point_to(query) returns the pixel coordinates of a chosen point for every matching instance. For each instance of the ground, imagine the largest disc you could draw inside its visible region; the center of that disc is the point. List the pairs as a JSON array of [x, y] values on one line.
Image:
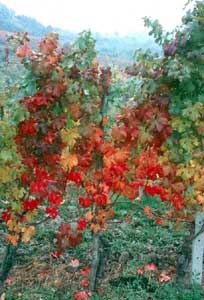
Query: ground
[[131, 245]]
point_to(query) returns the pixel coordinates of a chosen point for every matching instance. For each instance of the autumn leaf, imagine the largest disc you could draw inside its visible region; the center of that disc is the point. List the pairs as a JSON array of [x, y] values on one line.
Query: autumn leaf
[[68, 161], [81, 224], [9, 281], [150, 267], [118, 156], [89, 216], [28, 233], [18, 192], [84, 283], [104, 215], [160, 221], [119, 133], [12, 224], [85, 271], [140, 271], [121, 155], [144, 135], [6, 174], [69, 136], [13, 239], [105, 120], [164, 277], [75, 239], [83, 295], [95, 227], [147, 211], [128, 219], [193, 112], [74, 110], [74, 263], [85, 202], [159, 123], [55, 255], [21, 52]]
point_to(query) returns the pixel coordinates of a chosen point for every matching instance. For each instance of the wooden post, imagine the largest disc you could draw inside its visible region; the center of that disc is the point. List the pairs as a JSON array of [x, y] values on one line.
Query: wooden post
[[198, 250]]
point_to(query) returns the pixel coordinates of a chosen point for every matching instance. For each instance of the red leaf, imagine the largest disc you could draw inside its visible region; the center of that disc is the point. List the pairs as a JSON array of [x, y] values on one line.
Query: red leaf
[[81, 224], [85, 283], [9, 280], [5, 216], [43, 273], [101, 200], [85, 271], [164, 277], [177, 201], [55, 255], [55, 198], [75, 239], [150, 267], [147, 211], [75, 177], [23, 51], [128, 219], [52, 211], [85, 202], [140, 271], [160, 221], [83, 295], [74, 263], [30, 205]]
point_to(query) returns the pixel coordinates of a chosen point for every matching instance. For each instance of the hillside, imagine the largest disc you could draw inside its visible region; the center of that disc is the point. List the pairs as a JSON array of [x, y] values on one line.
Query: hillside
[[114, 46]]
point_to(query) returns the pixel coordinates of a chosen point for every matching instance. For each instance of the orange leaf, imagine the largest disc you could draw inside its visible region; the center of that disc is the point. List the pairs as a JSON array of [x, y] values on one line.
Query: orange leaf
[[89, 216], [103, 215], [13, 239], [160, 221], [74, 110], [121, 155], [105, 120], [95, 227], [105, 227], [23, 51], [119, 133], [147, 211], [68, 161]]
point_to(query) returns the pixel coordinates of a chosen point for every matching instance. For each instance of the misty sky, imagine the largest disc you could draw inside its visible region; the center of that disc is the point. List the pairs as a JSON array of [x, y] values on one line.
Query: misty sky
[[105, 16]]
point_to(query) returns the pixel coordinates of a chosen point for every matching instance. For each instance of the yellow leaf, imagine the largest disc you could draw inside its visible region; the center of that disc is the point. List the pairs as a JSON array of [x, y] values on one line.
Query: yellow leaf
[[11, 224], [178, 227], [77, 123], [69, 136], [17, 192], [200, 199], [5, 174], [29, 216], [198, 182], [28, 233]]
